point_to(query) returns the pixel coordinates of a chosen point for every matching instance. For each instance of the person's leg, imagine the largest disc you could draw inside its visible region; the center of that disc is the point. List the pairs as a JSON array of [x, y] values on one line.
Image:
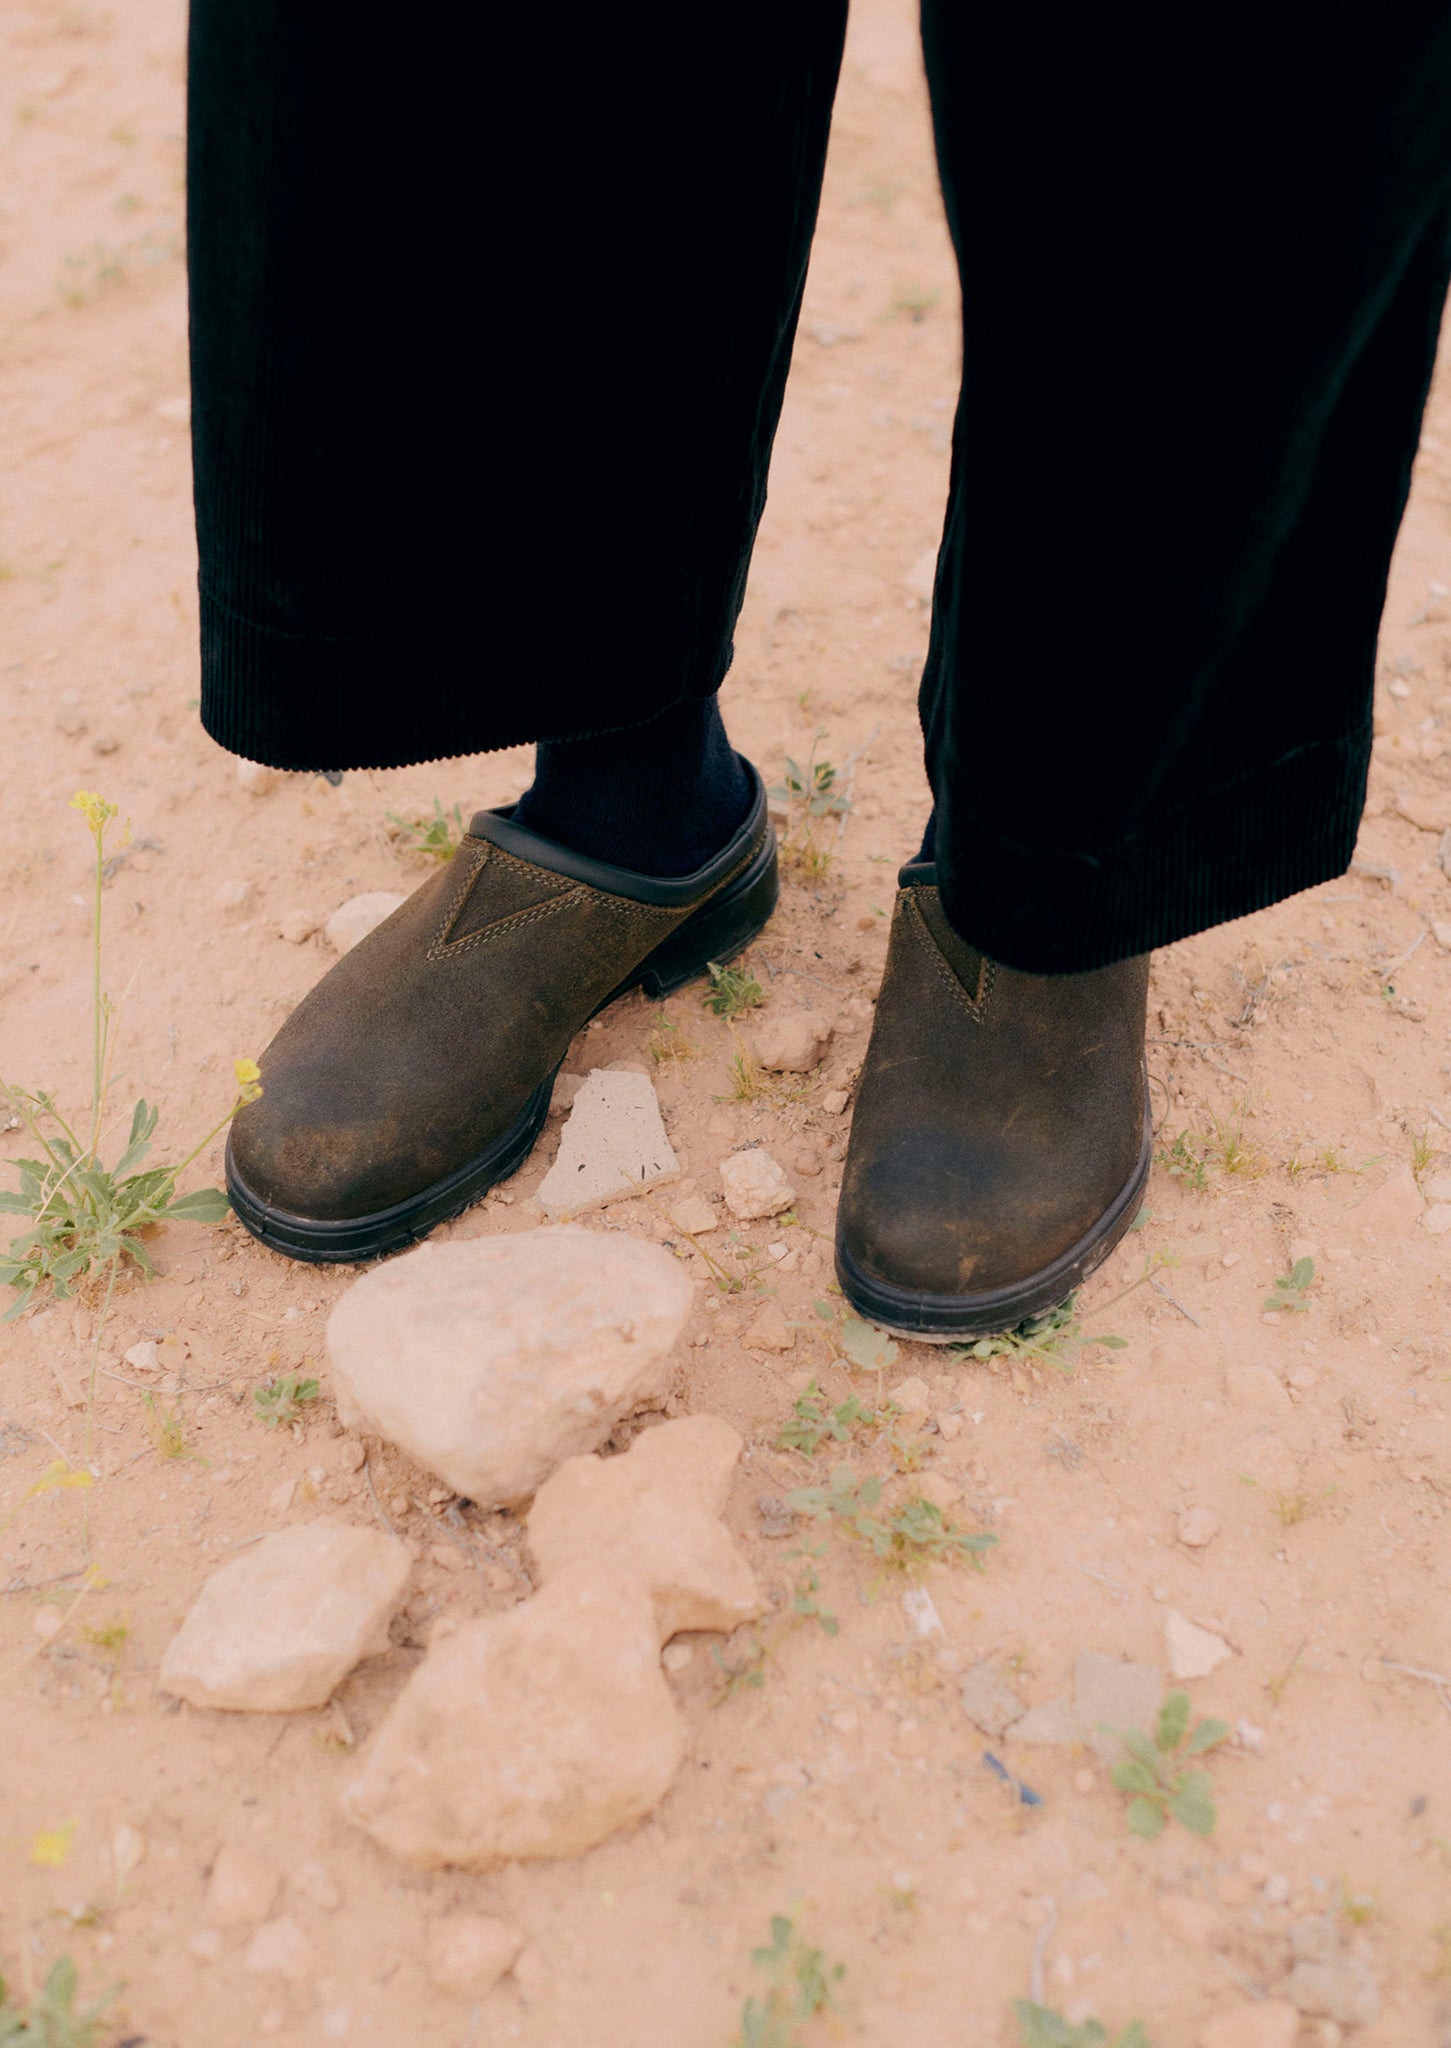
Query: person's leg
[[1201, 301], [490, 330]]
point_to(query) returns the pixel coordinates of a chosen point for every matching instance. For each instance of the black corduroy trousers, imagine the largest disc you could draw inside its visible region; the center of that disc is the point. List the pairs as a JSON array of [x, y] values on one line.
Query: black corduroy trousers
[[490, 329]]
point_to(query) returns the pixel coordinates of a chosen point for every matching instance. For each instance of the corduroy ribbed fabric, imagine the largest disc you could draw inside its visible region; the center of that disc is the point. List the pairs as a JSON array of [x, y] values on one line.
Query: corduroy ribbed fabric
[[488, 355]]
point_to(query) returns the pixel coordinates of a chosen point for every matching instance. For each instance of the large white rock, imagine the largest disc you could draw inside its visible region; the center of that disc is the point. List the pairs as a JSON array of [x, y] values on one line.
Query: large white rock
[[360, 915], [755, 1184], [281, 1626], [613, 1144], [534, 1733], [493, 1360], [655, 1512]]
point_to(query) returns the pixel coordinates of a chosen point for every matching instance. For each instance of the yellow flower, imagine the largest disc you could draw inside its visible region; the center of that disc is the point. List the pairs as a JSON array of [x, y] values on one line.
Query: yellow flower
[[249, 1079], [52, 1845], [94, 809]]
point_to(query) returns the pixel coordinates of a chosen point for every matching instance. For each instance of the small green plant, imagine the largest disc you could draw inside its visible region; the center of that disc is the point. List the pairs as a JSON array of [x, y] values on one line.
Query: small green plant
[[1154, 1777], [668, 1041], [81, 1215], [51, 2019], [1223, 1146], [913, 1535], [1423, 1153], [1184, 1160], [1039, 2026], [748, 1083], [732, 991], [746, 1674], [806, 1606], [811, 794], [811, 1424], [168, 1429], [436, 837], [801, 1986], [1052, 1338], [1293, 1292], [282, 1399], [861, 1343]]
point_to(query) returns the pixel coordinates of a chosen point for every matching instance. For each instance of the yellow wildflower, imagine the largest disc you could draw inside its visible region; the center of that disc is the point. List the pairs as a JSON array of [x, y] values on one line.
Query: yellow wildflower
[[249, 1079], [94, 809], [52, 1846]]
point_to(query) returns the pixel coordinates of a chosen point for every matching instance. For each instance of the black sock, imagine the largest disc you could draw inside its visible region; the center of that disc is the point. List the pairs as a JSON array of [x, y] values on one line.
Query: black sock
[[661, 799], [929, 837]]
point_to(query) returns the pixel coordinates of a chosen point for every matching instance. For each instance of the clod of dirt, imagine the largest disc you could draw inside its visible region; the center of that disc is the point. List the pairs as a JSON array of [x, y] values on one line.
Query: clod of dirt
[[655, 1513], [297, 927], [468, 1953], [768, 1330], [1272, 2023], [792, 1043], [279, 1948], [755, 1184], [1193, 1652], [694, 1214], [535, 1733], [1197, 1527], [242, 1889], [912, 1395], [279, 1628], [613, 1142], [360, 915], [1109, 1692], [988, 1702], [494, 1359], [1248, 1384], [1391, 1210]]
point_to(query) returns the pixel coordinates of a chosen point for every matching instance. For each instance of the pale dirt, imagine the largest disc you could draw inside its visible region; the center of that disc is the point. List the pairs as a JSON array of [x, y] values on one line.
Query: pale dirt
[[850, 1786]]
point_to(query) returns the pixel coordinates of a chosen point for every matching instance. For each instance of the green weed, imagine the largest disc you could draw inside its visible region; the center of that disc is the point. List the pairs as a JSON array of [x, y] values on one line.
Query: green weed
[[50, 2019], [668, 1041], [1223, 1146], [912, 1536], [1423, 1154], [801, 1986], [167, 1427], [282, 1399], [1052, 1338], [1293, 1292], [811, 1424], [82, 1215], [436, 837], [1040, 2027], [732, 991], [810, 792], [1153, 1775]]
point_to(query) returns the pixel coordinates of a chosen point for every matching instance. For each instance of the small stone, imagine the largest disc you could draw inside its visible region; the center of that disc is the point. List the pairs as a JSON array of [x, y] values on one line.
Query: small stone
[[1391, 1210], [793, 1042], [469, 1952], [280, 1498], [534, 1733], [314, 1882], [360, 915], [106, 743], [1110, 1694], [242, 1887], [351, 1456], [1249, 1737], [142, 1358], [768, 1330], [912, 1396], [234, 894], [45, 1623], [1248, 1384], [297, 927], [279, 1948], [1303, 1378], [279, 1628], [834, 1101], [755, 1184], [806, 1161], [1193, 1652], [677, 1657], [1198, 1526], [921, 1611], [949, 1424], [70, 717], [1441, 932], [1341, 1989], [695, 1214], [655, 1514], [447, 1558], [254, 777], [1269, 2023], [988, 1701], [494, 1359], [1053, 1723], [614, 1143]]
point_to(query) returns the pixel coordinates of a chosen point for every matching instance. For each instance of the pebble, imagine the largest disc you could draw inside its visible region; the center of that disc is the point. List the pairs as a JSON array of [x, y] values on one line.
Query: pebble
[[70, 717], [534, 1733], [695, 1214], [613, 1143], [834, 1101], [1441, 932], [1193, 1652], [793, 1042], [755, 1184], [912, 1396], [353, 920], [655, 1514], [254, 777], [279, 1628], [297, 927], [677, 1657], [279, 1948], [768, 1330], [468, 1953], [494, 1359], [1198, 1526], [234, 894], [242, 1887]]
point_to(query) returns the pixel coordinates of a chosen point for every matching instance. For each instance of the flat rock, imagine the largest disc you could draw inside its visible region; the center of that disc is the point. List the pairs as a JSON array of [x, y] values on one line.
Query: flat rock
[[1249, 1384], [535, 1733], [494, 1359], [654, 1513], [242, 1887], [793, 1042], [1193, 1652], [988, 1701], [1391, 1210], [1196, 1527], [612, 1144], [469, 1952], [768, 1330], [755, 1184], [1054, 1722], [695, 1214], [1110, 1694], [281, 1626], [1268, 2023], [360, 915]]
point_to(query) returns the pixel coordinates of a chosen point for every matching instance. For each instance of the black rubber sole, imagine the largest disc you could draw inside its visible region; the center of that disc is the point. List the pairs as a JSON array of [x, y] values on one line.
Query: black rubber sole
[[715, 933], [947, 1318]]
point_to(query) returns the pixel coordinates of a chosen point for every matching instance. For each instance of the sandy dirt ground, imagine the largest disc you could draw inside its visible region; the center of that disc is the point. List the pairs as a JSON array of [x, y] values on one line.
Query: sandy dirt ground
[[1304, 1052]]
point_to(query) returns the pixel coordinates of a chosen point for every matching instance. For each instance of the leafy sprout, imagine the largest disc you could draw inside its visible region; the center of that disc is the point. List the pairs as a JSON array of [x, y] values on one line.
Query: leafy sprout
[[1152, 1773], [51, 2018]]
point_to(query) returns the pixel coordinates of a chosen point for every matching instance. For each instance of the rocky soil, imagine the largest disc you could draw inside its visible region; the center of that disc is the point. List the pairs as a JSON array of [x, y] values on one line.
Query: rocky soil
[[1247, 1499]]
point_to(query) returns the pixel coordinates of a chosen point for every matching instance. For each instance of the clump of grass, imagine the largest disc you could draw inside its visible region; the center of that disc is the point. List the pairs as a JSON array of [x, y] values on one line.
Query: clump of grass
[[748, 1082], [1292, 1294], [51, 2019], [436, 836], [668, 1041], [800, 1987], [1223, 1147], [912, 1536], [82, 1216], [281, 1400], [1039, 2026], [1424, 1154], [1153, 1773], [732, 991], [167, 1426], [811, 793], [1294, 1508]]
